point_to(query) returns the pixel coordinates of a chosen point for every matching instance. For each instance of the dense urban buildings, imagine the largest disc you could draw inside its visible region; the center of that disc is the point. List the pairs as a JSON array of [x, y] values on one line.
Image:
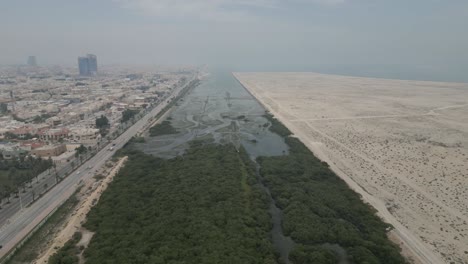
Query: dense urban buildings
[[51, 113]]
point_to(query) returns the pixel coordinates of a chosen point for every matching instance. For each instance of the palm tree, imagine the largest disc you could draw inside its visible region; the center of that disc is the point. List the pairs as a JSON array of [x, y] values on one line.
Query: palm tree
[[7, 192], [30, 176], [50, 164], [34, 163], [56, 177], [30, 160], [2, 195], [55, 167]]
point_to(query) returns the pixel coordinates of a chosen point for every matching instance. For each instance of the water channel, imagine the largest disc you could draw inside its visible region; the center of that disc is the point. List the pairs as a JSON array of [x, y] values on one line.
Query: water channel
[[221, 109]]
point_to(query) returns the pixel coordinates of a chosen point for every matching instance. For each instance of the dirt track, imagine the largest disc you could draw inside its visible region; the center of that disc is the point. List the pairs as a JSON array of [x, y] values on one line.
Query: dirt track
[[401, 144], [91, 192]]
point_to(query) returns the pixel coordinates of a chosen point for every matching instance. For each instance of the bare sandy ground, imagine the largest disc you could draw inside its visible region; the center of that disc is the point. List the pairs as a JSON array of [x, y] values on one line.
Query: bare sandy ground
[[91, 192], [403, 145]]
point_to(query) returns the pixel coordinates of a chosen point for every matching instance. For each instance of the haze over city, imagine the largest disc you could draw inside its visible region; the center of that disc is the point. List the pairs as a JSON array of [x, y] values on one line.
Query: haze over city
[[234, 131], [418, 39]]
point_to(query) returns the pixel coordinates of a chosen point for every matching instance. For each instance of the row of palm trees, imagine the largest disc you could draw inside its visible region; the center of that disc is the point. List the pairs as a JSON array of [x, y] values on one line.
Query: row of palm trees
[[21, 174]]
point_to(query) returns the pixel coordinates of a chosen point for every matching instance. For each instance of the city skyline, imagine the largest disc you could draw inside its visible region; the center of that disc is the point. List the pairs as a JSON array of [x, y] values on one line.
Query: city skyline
[[399, 39]]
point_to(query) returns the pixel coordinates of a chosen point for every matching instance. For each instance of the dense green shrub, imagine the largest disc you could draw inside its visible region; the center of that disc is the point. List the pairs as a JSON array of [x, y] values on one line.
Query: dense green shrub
[[202, 207], [68, 254], [319, 208], [163, 128]]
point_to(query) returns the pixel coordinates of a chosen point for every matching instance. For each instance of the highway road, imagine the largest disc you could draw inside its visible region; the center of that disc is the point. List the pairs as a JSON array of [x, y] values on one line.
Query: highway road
[[45, 181], [22, 223], [34, 190]]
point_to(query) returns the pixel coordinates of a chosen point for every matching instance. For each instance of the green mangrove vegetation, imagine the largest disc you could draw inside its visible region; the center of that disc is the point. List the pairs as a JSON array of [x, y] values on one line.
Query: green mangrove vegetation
[[163, 128], [276, 126], [320, 212], [202, 207], [136, 139], [68, 253], [208, 206]]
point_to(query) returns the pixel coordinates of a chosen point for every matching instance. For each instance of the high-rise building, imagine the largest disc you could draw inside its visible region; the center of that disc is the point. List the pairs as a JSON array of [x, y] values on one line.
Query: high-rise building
[[88, 65], [32, 61], [92, 64], [83, 66]]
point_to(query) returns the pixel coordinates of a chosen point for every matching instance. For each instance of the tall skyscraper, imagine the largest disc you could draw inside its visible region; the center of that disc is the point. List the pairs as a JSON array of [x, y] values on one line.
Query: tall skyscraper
[[32, 61], [92, 64], [88, 65], [83, 66]]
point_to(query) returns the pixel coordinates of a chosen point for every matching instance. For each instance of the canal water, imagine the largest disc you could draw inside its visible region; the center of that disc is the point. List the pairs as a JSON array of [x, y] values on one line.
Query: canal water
[[220, 109]]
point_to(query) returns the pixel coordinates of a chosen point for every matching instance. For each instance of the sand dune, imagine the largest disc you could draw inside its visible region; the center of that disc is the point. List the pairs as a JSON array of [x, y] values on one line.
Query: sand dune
[[402, 144]]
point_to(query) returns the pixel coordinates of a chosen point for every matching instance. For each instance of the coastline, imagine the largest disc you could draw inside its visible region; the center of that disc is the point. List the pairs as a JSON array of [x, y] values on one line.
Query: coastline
[[411, 244]]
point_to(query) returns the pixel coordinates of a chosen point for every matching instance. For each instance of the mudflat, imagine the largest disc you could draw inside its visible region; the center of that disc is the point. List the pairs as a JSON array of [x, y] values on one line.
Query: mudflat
[[403, 145]]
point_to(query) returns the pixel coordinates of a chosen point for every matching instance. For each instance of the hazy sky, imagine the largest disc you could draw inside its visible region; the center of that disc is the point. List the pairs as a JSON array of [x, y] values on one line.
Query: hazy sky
[[425, 37]]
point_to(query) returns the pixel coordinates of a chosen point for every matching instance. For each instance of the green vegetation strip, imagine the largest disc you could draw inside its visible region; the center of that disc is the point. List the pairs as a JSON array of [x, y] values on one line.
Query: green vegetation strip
[[68, 253], [128, 114], [163, 128], [136, 139], [277, 127], [321, 213], [31, 249], [202, 207]]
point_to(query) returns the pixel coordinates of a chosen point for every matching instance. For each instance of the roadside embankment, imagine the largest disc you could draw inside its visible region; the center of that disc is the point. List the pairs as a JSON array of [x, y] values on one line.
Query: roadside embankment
[[92, 190]]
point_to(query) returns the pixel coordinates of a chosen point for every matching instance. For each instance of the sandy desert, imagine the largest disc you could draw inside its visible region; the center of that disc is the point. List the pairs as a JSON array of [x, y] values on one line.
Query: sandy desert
[[403, 145]]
